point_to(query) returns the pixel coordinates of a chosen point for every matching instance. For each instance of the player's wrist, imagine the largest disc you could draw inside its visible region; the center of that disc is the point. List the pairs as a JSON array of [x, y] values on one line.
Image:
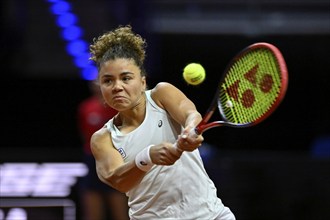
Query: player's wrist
[[143, 159]]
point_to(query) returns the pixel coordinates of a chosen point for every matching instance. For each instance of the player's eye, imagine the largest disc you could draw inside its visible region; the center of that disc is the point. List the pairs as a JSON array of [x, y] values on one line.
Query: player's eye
[[126, 78], [107, 81]]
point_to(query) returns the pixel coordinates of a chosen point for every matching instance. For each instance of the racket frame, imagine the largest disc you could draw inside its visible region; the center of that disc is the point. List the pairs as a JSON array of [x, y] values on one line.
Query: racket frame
[[204, 125]]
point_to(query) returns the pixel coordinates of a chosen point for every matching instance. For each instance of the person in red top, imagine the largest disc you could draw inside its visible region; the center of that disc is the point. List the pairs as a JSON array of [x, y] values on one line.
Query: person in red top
[[99, 201]]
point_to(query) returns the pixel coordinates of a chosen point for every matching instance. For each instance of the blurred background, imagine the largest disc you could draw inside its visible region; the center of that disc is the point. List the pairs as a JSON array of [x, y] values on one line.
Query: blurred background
[[279, 169]]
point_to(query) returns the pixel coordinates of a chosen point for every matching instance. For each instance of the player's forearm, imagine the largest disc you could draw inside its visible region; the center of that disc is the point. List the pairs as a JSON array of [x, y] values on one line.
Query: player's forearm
[[124, 178]]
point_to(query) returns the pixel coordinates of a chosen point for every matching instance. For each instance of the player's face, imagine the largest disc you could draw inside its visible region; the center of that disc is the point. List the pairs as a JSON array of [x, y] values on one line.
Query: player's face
[[121, 83]]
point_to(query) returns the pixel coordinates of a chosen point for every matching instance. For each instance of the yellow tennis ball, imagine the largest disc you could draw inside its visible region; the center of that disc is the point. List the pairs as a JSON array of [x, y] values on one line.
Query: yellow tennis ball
[[194, 73]]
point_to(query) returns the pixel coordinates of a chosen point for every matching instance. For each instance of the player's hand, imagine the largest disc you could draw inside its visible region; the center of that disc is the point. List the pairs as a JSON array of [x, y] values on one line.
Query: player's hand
[[189, 141], [164, 154]]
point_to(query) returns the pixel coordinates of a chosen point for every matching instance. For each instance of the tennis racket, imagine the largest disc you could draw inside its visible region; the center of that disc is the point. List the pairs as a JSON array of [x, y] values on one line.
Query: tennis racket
[[252, 86]]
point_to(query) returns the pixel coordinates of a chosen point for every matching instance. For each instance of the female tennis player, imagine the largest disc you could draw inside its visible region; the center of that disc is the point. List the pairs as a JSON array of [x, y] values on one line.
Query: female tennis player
[[135, 150]]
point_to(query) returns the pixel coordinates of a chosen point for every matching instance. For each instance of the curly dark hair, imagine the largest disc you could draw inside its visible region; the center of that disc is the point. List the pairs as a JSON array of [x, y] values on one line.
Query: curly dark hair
[[119, 43]]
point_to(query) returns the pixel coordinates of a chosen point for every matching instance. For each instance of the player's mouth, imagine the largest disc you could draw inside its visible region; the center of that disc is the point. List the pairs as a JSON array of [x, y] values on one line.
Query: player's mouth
[[118, 98]]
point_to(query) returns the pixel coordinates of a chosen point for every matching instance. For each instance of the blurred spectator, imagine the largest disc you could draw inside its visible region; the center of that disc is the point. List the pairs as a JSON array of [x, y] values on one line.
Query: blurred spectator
[[99, 201]]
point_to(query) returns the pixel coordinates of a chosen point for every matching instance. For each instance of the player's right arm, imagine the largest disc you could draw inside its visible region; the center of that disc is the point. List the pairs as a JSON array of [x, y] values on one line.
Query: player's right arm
[[110, 166]]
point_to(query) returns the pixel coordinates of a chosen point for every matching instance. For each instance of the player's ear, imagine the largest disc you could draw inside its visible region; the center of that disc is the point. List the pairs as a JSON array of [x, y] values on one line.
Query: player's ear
[[144, 83]]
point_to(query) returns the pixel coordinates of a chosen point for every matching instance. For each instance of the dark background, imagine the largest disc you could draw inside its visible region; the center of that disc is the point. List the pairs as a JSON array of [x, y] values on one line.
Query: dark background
[[270, 171]]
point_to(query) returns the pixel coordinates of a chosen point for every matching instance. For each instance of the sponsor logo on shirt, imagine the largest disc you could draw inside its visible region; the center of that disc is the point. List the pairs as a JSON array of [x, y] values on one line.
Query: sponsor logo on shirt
[[143, 163], [122, 152]]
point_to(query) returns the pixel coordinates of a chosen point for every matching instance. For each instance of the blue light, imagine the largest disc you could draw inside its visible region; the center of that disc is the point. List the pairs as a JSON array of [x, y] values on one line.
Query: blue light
[[66, 20], [71, 33], [82, 60], [89, 73], [60, 7], [77, 47]]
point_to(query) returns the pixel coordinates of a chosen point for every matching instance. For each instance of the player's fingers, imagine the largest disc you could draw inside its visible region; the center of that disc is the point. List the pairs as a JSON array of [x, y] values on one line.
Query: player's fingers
[[165, 154]]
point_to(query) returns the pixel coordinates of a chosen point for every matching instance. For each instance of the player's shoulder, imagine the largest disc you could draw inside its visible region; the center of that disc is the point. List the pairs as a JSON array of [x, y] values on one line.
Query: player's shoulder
[[100, 141], [163, 85], [162, 89], [100, 135]]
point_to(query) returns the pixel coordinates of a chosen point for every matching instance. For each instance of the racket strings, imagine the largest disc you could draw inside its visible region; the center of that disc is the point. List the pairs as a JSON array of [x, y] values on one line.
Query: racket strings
[[251, 85]]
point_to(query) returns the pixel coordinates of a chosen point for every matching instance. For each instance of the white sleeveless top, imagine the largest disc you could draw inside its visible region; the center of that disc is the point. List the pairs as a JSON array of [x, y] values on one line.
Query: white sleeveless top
[[182, 191]]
